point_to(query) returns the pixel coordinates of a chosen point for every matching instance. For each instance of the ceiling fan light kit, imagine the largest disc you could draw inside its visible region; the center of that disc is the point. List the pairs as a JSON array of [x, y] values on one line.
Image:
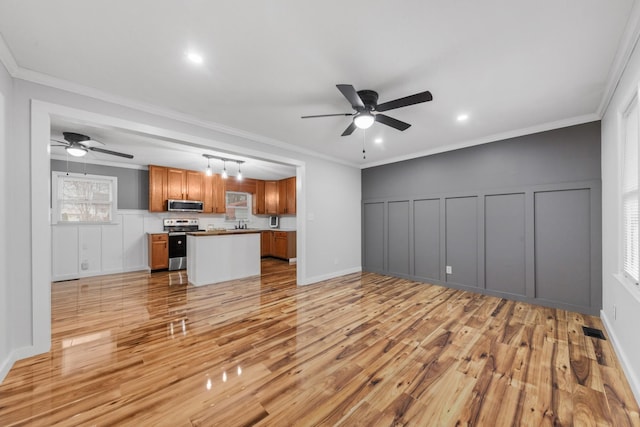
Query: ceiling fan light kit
[[76, 150], [365, 104], [364, 120]]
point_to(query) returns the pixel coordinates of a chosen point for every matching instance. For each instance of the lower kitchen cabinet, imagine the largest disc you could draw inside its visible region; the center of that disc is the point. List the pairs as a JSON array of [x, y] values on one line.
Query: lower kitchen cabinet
[[279, 244], [265, 243], [158, 251]]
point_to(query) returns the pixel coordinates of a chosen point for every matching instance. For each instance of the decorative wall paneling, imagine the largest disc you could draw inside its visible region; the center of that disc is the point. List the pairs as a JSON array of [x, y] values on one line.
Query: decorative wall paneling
[[91, 250], [539, 244]]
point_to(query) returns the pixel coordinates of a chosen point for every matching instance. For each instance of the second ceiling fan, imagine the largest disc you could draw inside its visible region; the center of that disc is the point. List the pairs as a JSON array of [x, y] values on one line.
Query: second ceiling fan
[[367, 110]]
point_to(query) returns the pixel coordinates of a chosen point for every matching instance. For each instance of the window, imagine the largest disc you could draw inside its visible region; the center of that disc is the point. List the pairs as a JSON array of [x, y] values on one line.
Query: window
[[83, 198], [630, 229], [237, 206]]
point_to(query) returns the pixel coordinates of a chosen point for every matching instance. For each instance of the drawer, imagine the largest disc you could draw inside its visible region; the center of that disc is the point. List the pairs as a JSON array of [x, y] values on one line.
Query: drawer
[[159, 237]]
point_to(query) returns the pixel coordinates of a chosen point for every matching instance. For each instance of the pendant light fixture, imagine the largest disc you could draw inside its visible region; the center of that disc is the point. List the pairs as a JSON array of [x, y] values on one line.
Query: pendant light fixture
[[208, 171], [224, 169], [239, 176]]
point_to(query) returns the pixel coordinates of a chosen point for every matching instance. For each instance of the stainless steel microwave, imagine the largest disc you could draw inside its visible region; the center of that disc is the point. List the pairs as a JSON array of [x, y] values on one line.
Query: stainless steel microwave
[[185, 206]]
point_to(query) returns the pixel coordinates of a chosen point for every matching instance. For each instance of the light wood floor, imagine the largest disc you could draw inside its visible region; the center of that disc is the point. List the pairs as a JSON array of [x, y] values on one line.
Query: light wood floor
[[147, 349]]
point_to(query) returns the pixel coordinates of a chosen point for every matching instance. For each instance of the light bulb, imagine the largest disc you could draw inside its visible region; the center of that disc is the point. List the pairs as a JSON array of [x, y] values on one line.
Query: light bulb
[[76, 151], [209, 171], [224, 171], [239, 176], [364, 120]]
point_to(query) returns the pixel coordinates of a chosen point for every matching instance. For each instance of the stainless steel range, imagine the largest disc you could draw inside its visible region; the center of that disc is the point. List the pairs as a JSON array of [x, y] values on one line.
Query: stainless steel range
[[178, 228]]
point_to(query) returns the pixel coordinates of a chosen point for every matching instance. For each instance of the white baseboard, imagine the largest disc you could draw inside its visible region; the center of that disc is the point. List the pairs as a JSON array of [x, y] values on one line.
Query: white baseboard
[[632, 377], [14, 356], [320, 278]]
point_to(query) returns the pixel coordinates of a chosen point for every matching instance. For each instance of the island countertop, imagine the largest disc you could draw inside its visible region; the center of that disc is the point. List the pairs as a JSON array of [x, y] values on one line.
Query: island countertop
[[222, 232]]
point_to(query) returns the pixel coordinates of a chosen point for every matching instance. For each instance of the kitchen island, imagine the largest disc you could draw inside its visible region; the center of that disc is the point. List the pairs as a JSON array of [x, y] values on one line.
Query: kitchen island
[[219, 256]]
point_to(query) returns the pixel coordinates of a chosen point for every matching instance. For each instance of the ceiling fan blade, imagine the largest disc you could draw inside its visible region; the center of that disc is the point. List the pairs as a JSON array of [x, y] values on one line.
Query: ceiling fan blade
[[352, 96], [66, 144], [403, 102], [349, 130], [390, 121], [326, 115], [113, 153]]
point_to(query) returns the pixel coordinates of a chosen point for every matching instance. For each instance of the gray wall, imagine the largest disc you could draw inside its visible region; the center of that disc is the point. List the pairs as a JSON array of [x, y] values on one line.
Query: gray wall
[[518, 218], [133, 184]]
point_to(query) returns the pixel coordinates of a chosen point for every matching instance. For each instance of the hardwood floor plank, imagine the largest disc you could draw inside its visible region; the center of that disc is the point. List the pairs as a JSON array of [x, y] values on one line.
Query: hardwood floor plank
[[363, 349]]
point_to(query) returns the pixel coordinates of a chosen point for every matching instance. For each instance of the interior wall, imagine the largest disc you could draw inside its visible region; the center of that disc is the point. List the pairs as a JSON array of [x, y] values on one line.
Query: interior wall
[[6, 95], [621, 303], [337, 225], [133, 184], [518, 218]]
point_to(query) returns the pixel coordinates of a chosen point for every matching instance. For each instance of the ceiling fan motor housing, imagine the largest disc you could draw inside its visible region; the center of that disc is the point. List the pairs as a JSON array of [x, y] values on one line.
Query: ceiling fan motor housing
[[75, 137], [369, 99]]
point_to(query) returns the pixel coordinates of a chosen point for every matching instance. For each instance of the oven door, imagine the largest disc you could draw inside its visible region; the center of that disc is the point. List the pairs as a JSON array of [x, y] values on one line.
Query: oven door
[[177, 251]]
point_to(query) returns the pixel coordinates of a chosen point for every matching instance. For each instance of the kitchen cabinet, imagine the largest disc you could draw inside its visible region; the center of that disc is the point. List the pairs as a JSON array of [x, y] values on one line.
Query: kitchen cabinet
[[284, 244], [287, 196], [265, 243], [278, 244], [213, 194], [184, 184], [157, 188], [258, 199], [270, 197], [158, 251]]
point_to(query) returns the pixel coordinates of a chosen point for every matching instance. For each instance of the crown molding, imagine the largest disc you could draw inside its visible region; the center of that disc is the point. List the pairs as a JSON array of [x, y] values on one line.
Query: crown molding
[[57, 83], [491, 138], [6, 57], [626, 46]]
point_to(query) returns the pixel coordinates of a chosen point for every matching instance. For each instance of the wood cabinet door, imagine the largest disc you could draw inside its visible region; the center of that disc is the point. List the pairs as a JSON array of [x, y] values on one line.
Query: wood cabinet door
[[290, 208], [265, 243], [282, 196], [194, 185], [280, 244], [270, 197], [175, 184], [207, 196], [258, 199], [158, 251], [157, 188], [219, 201]]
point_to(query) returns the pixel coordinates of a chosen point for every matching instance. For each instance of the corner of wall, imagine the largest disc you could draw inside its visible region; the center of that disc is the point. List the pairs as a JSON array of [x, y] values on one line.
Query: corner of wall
[[627, 366]]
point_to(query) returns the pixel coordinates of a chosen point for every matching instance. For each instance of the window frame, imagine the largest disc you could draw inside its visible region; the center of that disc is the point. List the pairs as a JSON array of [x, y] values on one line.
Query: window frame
[[632, 107], [57, 176], [247, 208]]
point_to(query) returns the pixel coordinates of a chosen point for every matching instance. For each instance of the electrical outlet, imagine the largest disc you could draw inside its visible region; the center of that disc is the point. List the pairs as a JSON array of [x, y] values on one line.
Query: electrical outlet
[[449, 269], [84, 265]]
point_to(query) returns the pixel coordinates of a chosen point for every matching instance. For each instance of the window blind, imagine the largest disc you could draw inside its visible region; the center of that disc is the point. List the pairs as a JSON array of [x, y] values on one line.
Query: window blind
[[630, 225]]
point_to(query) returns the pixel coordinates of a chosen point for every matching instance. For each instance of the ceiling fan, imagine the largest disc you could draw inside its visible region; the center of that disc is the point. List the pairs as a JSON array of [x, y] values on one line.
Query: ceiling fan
[[79, 145], [365, 104]]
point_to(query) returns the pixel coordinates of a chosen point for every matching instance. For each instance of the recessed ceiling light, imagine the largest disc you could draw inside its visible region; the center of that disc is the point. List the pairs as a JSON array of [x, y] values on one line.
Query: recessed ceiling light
[[462, 117], [378, 140], [195, 57]]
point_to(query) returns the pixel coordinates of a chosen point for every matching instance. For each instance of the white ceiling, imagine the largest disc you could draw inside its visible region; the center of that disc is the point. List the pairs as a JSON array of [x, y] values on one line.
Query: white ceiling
[[510, 65]]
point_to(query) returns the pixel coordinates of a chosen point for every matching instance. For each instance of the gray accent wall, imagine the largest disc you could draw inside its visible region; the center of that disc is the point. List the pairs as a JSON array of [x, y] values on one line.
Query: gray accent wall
[[133, 184], [518, 218]]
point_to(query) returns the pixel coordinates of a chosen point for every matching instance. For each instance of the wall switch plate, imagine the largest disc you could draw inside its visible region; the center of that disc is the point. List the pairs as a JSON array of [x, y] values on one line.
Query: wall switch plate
[[449, 269]]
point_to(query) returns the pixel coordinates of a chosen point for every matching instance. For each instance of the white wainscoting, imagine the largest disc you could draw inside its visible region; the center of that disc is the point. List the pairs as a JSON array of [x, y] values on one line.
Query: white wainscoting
[[93, 250]]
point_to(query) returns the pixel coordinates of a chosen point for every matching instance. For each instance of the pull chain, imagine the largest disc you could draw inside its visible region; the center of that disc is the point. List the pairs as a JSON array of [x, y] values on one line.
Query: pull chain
[[364, 136]]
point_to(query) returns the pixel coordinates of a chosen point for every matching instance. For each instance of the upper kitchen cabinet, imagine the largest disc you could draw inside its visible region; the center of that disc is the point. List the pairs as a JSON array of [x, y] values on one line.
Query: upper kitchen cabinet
[[214, 192], [184, 184], [157, 188], [287, 196], [247, 185], [271, 197], [258, 199]]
